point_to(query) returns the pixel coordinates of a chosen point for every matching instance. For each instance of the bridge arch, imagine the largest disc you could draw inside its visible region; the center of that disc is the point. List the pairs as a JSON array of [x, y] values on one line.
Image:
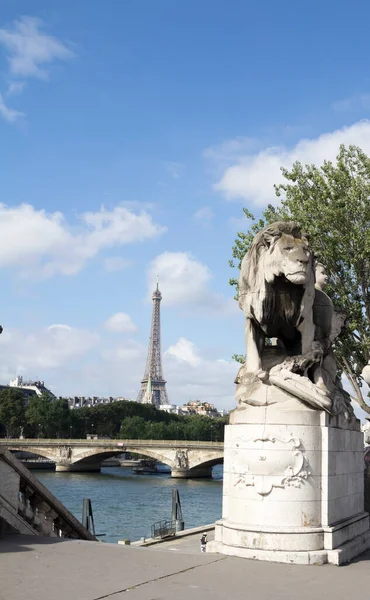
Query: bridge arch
[[37, 451], [98, 455], [217, 460]]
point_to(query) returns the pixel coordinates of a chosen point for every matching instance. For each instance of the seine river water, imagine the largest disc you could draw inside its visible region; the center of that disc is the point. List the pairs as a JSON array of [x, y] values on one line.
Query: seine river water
[[125, 505]]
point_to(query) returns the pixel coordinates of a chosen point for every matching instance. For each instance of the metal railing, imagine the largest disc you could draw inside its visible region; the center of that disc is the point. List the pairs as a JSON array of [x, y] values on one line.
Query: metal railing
[[163, 529]]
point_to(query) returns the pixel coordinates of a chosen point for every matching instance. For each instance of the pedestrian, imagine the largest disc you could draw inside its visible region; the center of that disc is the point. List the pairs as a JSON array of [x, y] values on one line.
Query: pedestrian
[[203, 542]]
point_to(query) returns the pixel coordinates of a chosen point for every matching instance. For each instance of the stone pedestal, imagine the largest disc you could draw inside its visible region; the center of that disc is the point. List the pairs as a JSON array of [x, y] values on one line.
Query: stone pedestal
[[293, 486]]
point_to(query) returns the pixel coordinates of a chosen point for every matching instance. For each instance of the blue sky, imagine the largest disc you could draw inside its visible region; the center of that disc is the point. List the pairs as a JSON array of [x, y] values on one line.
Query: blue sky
[[132, 134]]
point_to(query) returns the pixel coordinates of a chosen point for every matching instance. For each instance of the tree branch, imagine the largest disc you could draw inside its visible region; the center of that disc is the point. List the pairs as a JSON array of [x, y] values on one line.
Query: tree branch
[[356, 388]]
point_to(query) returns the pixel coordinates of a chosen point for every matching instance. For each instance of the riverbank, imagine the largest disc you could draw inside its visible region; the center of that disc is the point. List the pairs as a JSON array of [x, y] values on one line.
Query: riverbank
[[191, 534]]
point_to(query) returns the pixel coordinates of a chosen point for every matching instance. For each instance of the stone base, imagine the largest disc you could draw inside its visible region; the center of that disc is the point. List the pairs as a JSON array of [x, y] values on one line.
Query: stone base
[[334, 545], [338, 556], [78, 468], [314, 557], [293, 487], [197, 473]]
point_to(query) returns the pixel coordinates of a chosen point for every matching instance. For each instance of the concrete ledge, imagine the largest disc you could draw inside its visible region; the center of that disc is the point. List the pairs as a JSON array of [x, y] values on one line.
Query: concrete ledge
[[345, 531], [315, 557], [179, 534], [339, 556], [353, 548]]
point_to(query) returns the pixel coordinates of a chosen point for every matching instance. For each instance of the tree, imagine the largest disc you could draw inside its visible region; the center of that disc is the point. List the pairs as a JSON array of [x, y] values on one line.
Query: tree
[[59, 418], [12, 411], [332, 204], [133, 428], [38, 416]]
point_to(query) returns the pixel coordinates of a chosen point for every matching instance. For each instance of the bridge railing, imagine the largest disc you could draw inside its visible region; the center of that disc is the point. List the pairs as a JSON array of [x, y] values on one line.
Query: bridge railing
[[28, 507], [109, 442]]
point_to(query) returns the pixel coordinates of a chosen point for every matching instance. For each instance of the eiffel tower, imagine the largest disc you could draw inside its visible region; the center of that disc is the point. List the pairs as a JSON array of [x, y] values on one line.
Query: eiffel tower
[[153, 385]]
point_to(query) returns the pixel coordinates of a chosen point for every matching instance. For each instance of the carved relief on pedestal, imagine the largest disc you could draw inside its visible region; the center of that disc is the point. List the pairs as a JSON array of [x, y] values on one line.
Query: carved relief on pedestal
[[270, 465], [65, 452], [181, 459]]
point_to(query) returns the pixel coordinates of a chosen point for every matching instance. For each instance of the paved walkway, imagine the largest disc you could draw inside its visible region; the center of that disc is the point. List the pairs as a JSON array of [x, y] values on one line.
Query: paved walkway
[[44, 569]]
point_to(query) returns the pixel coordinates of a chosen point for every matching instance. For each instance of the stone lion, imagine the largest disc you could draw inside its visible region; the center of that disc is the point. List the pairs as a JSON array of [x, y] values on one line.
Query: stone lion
[[276, 293]]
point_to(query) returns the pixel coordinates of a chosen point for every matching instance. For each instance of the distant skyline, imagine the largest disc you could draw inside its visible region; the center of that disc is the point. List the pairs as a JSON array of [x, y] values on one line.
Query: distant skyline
[[132, 134]]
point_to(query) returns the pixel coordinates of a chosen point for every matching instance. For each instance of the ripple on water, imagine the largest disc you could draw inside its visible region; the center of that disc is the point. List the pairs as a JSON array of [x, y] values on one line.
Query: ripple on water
[[125, 505]]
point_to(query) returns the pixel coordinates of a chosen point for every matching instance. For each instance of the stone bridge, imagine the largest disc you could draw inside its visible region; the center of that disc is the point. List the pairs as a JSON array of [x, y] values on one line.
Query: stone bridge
[[186, 459]]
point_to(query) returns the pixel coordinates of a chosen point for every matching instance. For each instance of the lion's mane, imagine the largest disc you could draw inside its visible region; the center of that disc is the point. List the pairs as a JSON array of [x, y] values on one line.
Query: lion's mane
[[265, 295]]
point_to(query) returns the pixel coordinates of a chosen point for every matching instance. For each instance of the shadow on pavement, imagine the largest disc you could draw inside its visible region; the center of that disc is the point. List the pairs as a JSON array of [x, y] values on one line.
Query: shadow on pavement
[[361, 558], [24, 543]]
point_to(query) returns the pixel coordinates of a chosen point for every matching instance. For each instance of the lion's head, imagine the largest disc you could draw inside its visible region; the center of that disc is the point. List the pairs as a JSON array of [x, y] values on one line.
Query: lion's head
[[280, 249]]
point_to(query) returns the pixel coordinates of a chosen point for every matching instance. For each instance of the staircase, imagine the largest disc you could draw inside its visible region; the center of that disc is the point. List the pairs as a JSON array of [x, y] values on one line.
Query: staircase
[[27, 507]]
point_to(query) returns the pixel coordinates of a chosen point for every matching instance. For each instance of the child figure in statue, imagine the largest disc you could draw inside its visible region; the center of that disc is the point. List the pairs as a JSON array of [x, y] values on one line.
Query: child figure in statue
[[321, 277]]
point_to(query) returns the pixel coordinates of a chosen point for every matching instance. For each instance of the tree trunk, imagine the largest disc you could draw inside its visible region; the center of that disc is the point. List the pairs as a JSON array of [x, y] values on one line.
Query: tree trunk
[[356, 388]]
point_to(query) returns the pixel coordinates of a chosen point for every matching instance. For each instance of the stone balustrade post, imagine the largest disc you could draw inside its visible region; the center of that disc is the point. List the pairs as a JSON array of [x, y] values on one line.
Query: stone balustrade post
[[27, 495]]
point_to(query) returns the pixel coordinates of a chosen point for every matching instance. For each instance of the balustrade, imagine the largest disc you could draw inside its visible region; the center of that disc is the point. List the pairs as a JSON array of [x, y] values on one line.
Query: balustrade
[[27, 501]]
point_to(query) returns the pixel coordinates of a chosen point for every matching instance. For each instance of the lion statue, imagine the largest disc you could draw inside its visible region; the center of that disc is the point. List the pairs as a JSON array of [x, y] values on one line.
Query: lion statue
[[278, 297], [276, 293]]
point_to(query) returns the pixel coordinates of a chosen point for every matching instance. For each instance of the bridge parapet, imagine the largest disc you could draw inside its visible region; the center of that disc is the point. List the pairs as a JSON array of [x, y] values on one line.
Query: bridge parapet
[[117, 443], [27, 507]]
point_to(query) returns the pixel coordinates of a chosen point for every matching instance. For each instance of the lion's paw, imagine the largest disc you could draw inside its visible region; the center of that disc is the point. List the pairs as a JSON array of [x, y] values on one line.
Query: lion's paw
[[262, 375]]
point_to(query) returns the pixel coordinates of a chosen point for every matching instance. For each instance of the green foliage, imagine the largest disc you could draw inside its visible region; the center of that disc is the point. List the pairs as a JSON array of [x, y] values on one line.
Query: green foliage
[[50, 418], [46, 417], [240, 358], [332, 204], [192, 427], [12, 411]]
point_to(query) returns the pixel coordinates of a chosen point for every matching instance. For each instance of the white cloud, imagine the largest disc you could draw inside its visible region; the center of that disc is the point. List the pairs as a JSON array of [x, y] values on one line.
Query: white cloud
[[116, 263], [360, 101], [188, 374], [50, 348], [39, 243], [175, 169], [120, 323], [79, 362], [15, 87], [129, 357], [119, 370], [204, 216], [9, 114], [192, 377], [185, 351], [228, 150], [183, 280], [253, 175], [30, 49]]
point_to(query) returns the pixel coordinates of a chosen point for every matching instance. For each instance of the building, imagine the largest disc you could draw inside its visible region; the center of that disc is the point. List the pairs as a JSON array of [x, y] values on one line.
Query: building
[[171, 408], [82, 401], [29, 388], [196, 407]]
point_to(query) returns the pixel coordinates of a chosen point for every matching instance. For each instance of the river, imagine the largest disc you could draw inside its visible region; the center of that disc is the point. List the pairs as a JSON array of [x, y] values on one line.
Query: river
[[125, 505]]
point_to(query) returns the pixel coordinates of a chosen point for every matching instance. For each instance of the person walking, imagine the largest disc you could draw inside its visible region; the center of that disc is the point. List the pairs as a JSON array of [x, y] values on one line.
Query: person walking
[[203, 542]]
